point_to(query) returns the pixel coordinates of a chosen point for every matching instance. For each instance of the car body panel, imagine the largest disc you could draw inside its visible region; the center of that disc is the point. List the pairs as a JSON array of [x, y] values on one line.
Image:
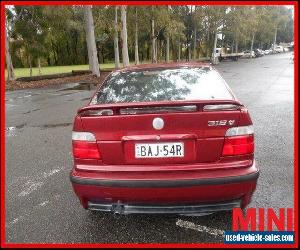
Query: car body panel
[[167, 186], [120, 176]]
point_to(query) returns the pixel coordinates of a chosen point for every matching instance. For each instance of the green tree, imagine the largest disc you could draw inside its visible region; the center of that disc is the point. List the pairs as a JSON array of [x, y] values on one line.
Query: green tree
[[31, 28], [55, 35]]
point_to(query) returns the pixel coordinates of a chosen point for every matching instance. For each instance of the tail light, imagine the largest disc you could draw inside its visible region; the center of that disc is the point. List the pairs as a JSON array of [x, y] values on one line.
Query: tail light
[[221, 107], [239, 141], [85, 145]]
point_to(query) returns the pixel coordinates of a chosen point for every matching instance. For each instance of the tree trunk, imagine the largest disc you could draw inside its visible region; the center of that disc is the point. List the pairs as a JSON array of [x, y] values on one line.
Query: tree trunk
[[39, 65], [200, 51], [148, 52], [207, 42], [30, 66], [222, 41], [99, 52], [116, 40], [168, 43], [154, 58], [124, 37], [179, 51], [214, 56], [174, 53], [75, 57], [162, 45], [102, 52], [195, 43], [208, 49], [275, 38], [9, 65], [236, 46], [136, 40], [55, 56], [90, 40], [168, 49], [68, 61], [252, 41], [157, 50]]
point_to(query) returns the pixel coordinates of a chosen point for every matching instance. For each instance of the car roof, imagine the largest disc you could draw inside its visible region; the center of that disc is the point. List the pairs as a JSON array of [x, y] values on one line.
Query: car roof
[[165, 66]]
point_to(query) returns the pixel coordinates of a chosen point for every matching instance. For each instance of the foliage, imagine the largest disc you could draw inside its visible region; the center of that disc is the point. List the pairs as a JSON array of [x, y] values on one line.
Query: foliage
[[55, 34]]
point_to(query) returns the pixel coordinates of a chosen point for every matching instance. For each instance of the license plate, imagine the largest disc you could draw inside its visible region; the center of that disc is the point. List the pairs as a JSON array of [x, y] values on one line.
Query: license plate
[[159, 150]]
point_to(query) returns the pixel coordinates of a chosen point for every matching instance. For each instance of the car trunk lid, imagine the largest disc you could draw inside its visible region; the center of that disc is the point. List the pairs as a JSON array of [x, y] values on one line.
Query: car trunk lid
[[196, 129]]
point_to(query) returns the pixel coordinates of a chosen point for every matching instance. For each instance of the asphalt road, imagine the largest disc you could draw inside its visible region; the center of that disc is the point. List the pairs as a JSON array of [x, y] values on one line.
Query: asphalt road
[[41, 206]]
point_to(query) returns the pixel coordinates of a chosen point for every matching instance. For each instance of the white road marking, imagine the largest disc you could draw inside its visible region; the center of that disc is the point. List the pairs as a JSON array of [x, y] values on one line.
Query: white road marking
[[19, 219], [11, 131], [43, 203], [16, 220], [10, 128], [56, 197], [203, 229], [30, 187], [8, 225], [16, 181], [45, 175]]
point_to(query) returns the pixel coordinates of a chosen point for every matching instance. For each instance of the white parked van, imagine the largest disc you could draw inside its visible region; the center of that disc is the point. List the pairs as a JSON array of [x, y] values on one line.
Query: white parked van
[[279, 49]]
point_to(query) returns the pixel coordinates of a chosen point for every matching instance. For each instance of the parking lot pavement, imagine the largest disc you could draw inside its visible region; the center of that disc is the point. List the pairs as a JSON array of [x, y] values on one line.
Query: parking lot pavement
[[41, 206]]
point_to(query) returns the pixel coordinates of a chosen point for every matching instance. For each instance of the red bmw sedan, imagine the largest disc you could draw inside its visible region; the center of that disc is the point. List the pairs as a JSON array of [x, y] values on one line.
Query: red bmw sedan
[[164, 139]]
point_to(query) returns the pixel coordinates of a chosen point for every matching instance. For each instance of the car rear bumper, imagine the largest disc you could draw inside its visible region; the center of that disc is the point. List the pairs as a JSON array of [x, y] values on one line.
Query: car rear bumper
[[164, 183], [192, 209], [191, 195]]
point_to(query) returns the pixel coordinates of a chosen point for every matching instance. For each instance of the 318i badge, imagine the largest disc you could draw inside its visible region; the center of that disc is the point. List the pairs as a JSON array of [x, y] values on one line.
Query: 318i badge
[[220, 123]]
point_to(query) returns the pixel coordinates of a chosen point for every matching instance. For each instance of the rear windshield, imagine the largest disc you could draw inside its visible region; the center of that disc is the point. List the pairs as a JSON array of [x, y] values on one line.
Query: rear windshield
[[164, 85]]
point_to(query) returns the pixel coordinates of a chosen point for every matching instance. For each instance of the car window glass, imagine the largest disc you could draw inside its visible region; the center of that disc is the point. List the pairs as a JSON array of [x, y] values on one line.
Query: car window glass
[[163, 85]]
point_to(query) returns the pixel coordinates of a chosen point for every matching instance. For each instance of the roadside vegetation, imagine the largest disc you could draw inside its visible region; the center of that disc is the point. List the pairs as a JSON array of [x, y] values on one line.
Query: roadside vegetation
[[49, 70], [44, 40]]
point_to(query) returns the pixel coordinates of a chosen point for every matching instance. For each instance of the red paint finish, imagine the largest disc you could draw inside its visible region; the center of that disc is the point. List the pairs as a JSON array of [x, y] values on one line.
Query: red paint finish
[[208, 153], [180, 195]]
